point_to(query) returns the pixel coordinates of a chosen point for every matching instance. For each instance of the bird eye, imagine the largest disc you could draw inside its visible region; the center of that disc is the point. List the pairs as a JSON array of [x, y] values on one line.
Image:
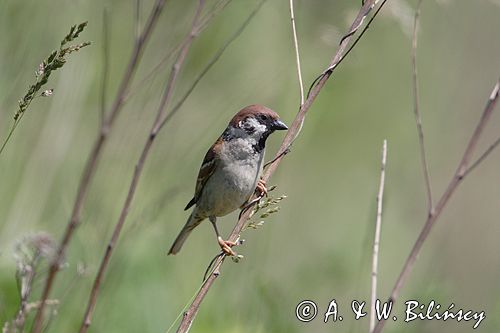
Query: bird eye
[[263, 117]]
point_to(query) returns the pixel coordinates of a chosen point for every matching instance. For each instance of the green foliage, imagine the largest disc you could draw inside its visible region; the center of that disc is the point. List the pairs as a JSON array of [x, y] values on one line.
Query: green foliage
[[271, 206], [271, 203], [54, 61], [319, 245]]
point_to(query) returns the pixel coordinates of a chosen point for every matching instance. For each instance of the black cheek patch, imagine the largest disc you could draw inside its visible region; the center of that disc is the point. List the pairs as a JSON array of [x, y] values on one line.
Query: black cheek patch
[[249, 129], [261, 144]]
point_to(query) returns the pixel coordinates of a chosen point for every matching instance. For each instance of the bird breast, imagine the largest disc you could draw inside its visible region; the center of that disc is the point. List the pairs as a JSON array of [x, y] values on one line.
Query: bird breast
[[235, 181]]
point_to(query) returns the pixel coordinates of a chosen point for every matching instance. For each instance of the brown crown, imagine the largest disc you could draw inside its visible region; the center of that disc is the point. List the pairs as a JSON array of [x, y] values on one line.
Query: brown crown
[[253, 110]]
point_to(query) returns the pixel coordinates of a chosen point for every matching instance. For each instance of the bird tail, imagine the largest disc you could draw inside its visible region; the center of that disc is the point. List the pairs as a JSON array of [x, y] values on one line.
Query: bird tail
[[191, 223]]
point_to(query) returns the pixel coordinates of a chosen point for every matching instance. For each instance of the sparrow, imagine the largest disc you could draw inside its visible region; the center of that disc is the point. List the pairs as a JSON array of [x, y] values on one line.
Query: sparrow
[[230, 172]]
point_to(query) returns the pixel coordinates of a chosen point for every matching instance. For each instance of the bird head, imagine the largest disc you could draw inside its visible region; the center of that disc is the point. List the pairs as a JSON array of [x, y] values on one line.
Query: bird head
[[255, 122]]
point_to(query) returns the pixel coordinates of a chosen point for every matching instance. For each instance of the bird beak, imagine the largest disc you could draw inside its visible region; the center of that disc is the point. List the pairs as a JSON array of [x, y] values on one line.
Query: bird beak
[[278, 125]]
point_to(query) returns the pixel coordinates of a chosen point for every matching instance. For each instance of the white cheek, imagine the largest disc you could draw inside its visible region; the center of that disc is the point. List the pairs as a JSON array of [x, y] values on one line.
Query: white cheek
[[259, 128]]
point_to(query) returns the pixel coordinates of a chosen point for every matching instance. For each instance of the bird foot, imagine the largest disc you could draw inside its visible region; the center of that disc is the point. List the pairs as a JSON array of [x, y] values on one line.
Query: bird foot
[[261, 187], [226, 246]]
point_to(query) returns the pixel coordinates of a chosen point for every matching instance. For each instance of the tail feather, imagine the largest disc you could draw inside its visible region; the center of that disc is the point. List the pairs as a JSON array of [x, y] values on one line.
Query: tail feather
[[191, 223]]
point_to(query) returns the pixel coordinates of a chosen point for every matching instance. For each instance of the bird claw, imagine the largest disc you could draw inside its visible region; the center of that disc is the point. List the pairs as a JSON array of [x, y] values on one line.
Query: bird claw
[[226, 246], [261, 188]]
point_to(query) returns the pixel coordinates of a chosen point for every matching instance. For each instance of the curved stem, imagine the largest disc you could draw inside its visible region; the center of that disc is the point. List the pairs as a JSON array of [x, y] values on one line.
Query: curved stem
[[93, 159], [456, 180], [292, 132], [167, 95]]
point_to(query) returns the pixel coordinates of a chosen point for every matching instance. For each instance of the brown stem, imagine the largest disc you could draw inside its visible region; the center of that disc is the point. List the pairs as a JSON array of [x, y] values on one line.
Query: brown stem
[[294, 129], [488, 151], [212, 62], [459, 175], [416, 109], [218, 7], [93, 159], [167, 95]]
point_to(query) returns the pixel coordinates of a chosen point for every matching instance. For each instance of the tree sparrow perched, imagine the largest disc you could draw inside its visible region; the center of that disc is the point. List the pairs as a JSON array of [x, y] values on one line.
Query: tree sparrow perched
[[231, 171]]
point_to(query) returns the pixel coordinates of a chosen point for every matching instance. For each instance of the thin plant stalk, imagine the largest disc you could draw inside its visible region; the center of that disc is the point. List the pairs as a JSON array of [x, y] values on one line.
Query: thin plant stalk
[[105, 61], [212, 62], [456, 180], [376, 241], [292, 133], [416, 109], [297, 56], [94, 157], [167, 95]]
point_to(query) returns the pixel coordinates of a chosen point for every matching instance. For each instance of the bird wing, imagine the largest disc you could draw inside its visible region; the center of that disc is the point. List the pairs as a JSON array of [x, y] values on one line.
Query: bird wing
[[207, 169]]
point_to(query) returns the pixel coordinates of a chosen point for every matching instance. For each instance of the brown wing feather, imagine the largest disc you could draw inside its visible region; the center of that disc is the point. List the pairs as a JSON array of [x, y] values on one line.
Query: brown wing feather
[[207, 169]]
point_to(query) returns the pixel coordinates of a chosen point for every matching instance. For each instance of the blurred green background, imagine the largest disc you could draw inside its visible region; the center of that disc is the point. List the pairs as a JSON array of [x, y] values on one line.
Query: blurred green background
[[318, 246]]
